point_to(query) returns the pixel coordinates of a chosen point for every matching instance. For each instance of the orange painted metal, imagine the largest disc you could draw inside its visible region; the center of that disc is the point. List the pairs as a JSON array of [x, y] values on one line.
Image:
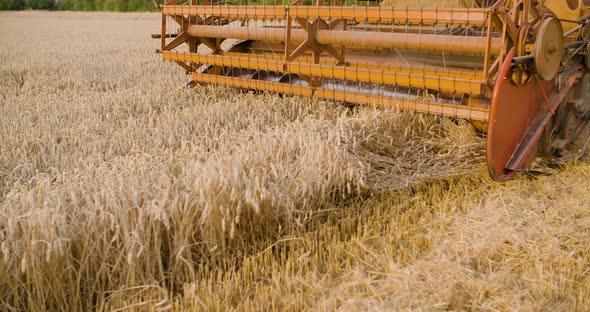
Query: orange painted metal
[[247, 33], [512, 111], [497, 153], [361, 62], [366, 39], [523, 154], [395, 15], [284, 88], [383, 15], [406, 41], [228, 11], [454, 85], [424, 105]]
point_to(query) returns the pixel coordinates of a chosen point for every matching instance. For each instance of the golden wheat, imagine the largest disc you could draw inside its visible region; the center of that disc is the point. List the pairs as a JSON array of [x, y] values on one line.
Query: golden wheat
[[120, 191]]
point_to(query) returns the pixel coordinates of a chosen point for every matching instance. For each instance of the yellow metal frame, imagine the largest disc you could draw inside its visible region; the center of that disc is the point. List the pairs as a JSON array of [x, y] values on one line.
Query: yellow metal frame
[[424, 105], [404, 79], [313, 41], [383, 15]]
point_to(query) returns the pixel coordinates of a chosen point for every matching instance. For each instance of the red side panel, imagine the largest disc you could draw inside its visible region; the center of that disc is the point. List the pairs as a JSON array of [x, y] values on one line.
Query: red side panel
[[512, 111]]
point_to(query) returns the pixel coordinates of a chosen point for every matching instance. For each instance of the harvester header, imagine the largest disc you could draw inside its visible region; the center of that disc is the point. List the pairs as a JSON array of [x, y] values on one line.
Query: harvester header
[[518, 69]]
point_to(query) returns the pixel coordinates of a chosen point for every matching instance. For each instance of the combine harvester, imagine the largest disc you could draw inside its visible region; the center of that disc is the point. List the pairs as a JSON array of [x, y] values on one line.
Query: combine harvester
[[517, 69]]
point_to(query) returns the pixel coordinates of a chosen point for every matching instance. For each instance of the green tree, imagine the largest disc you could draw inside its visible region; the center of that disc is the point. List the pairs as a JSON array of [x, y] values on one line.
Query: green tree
[[82, 5], [122, 5], [112, 5], [133, 5], [64, 5], [73, 5], [89, 5], [13, 5], [42, 4], [99, 5], [148, 5]]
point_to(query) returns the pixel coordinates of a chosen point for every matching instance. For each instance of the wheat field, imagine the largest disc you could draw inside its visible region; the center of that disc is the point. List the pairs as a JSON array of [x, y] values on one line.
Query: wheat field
[[122, 191]]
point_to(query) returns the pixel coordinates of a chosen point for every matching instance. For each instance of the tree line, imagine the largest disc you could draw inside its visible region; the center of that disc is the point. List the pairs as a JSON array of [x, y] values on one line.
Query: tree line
[[81, 5]]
